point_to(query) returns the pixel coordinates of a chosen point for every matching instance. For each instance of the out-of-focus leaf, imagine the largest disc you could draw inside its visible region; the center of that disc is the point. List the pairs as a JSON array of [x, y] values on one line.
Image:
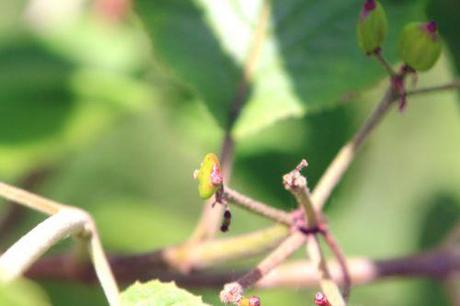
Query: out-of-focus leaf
[[443, 213], [34, 98], [139, 223], [447, 14], [315, 62], [158, 294], [183, 40], [309, 61], [22, 293]]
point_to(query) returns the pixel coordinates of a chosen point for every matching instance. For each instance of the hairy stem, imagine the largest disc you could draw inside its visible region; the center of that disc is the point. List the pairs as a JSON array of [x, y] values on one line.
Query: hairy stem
[[233, 292], [280, 254], [257, 207], [449, 86], [385, 64], [346, 155]]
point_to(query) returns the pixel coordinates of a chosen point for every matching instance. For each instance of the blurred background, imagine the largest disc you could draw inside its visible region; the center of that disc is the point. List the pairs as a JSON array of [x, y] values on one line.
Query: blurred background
[[110, 105]]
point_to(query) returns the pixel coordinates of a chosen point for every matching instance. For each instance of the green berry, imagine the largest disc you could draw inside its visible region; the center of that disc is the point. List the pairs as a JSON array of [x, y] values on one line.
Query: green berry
[[372, 26], [209, 176], [420, 45]]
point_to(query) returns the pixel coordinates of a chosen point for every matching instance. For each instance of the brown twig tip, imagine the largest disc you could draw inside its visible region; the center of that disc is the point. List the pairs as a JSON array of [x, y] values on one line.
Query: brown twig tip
[[232, 293], [321, 299], [295, 179]]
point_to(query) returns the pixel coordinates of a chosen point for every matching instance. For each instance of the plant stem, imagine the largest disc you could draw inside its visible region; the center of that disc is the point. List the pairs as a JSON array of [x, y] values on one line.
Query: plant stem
[[212, 252], [449, 86], [232, 292], [280, 254], [434, 264], [65, 221], [385, 64], [340, 257], [211, 215], [21, 255], [30, 200], [15, 213], [328, 286], [297, 185], [257, 207], [210, 218], [346, 155]]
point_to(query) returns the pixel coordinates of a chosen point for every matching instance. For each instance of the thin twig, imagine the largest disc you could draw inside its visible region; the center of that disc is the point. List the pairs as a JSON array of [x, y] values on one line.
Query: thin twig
[[385, 64], [209, 253], [328, 286], [233, 292], [449, 86], [30, 200], [340, 257], [14, 213], [19, 257], [435, 264], [296, 183], [65, 221], [257, 207], [451, 286], [101, 266], [210, 218], [346, 155]]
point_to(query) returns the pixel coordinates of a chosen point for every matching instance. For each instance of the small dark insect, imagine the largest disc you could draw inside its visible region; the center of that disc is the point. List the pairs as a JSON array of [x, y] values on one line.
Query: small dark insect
[[226, 221]]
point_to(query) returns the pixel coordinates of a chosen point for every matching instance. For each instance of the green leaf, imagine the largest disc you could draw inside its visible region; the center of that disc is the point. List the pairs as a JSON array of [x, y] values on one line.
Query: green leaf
[[309, 61], [34, 99], [184, 41], [22, 293], [158, 294]]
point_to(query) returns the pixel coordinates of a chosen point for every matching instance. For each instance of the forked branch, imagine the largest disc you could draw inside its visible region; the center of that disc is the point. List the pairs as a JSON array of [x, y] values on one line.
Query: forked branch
[[64, 221]]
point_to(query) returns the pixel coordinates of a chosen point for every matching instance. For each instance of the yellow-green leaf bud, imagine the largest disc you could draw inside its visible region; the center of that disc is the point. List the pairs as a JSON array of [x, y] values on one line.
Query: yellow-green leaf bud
[[420, 45], [372, 26], [209, 176]]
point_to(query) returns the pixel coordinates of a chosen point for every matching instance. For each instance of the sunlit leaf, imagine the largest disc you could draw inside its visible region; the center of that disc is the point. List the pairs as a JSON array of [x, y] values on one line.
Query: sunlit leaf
[[158, 294]]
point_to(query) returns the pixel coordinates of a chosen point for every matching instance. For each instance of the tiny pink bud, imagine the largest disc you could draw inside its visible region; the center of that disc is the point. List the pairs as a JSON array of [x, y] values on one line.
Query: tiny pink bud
[[321, 299], [254, 301], [369, 5], [431, 26]]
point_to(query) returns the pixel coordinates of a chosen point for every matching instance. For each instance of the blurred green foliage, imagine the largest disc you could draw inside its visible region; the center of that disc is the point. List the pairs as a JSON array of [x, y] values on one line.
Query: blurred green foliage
[[157, 293], [124, 111]]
